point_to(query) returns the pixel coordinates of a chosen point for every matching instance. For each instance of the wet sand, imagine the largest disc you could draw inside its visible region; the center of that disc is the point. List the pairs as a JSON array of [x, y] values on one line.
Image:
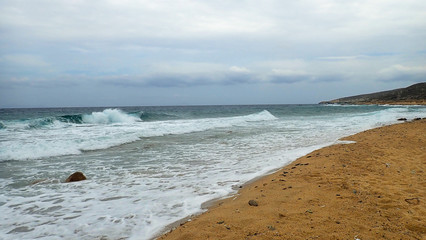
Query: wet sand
[[372, 189]]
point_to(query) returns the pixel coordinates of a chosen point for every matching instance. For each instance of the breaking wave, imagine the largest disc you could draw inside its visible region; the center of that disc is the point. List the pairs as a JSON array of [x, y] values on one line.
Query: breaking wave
[[109, 116], [73, 134]]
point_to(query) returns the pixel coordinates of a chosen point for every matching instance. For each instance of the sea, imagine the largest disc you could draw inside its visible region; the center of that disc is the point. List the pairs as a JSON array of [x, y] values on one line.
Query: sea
[[149, 167]]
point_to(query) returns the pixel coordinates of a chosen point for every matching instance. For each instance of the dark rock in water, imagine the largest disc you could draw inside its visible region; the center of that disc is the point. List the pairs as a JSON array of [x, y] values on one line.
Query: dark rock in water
[[402, 119], [417, 119], [253, 203], [77, 176]]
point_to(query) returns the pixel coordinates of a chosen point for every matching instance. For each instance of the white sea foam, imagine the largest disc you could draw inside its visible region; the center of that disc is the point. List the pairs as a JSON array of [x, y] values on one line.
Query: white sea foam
[[109, 116]]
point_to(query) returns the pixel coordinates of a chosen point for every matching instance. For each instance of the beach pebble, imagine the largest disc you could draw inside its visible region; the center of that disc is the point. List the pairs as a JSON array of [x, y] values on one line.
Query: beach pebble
[[253, 203], [77, 176], [414, 201]]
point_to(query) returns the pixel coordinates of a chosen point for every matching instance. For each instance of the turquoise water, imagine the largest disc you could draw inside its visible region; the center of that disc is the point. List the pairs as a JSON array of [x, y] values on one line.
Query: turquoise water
[[150, 166]]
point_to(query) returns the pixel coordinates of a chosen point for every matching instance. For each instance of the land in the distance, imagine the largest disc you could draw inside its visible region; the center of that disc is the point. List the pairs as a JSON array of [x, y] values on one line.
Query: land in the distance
[[412, 95]]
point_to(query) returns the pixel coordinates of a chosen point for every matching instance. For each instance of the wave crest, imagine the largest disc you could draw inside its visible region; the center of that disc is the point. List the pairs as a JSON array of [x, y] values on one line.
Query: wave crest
[[265, 115], [40, 123], [71, 118], [152, 116], [108, 116]]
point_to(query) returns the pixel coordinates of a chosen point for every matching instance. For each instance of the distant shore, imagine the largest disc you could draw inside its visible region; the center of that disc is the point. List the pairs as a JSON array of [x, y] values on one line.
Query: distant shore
[[423, 102], [412, 95], [372, 189], [399, 103]]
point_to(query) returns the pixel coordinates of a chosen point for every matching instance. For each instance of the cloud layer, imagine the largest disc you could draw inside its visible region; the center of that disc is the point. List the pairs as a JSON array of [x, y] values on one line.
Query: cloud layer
[[199, 46]]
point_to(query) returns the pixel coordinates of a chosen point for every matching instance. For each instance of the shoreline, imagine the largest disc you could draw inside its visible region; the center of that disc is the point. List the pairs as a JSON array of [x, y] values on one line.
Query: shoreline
[[206, 206], [210, 204], [302, 199]]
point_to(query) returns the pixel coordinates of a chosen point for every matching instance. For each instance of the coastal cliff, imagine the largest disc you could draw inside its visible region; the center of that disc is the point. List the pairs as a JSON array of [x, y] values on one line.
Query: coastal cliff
[[414, 94]]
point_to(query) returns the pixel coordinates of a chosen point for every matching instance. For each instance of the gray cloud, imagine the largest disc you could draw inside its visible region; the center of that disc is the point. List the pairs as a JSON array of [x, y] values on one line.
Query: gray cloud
[[401, 73], [181, 80], [336, 45]]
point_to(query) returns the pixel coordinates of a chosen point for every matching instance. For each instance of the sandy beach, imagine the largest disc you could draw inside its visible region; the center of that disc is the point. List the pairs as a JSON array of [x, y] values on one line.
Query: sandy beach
[[372, 189]]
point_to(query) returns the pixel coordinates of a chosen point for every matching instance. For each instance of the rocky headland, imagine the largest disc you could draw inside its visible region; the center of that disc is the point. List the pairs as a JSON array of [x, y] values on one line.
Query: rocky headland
[[412, 95]]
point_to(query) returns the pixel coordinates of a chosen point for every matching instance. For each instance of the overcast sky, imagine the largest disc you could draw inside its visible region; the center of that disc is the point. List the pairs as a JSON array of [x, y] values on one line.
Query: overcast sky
[[56, 53]]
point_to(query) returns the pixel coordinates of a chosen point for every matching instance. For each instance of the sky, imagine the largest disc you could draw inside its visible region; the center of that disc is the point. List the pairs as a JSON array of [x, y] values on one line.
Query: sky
[[76, 53]]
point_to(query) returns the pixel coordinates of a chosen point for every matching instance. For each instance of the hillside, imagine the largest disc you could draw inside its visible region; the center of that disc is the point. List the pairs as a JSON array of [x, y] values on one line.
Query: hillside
[[414, 94]]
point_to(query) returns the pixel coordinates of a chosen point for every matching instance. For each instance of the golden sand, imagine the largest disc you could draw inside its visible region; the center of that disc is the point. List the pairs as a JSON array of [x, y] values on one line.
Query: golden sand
[[372, 189]]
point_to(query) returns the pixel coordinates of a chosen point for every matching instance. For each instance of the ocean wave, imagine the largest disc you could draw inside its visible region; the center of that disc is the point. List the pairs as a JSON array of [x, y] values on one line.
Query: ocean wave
[[265, 115], [152, 116], [112, 116], [51, 137], [71, 118], [40, 123], [108, 116]]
